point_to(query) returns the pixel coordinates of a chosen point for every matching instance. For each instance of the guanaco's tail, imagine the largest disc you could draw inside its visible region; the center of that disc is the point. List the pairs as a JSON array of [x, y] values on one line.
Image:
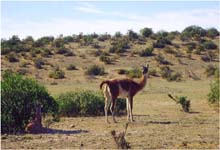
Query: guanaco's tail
[[103, 82]]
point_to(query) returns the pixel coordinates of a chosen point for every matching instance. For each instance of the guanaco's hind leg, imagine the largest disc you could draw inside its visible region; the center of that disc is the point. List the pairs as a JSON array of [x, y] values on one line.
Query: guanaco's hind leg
[[108, 100], [112, 109], [129, 109]]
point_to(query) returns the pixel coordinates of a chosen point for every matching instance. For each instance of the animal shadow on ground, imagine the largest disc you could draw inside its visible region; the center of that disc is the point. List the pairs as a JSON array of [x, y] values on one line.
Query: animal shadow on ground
[[58, 131]]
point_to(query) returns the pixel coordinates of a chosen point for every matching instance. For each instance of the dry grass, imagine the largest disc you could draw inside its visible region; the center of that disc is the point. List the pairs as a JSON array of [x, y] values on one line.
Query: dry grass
[[159, 122]]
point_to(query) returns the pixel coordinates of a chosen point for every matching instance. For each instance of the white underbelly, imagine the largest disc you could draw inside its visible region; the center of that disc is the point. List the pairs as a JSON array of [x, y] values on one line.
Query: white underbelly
[[122, 93]]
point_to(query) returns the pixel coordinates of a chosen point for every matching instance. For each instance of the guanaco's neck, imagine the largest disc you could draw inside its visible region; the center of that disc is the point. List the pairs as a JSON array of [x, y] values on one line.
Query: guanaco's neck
[[143, 81]]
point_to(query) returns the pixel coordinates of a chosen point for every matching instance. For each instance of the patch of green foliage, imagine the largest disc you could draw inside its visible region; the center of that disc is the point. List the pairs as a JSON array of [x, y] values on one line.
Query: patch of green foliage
[[85, 103], [168, 74], [95, 70], [19, 98], [213, 96], [57, 73], [146, 52], [105, 59], [134, 73], [71, 67]]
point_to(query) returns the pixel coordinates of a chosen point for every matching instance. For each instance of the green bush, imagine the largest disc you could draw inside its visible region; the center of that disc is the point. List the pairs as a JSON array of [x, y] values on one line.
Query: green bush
[[95, 70], [85, 103], [105, 59], [153, 72], [213, 96], [57, 74], [184, 102], [38, 63], [71, 67], [209, 45], [210, 70], [161, 59], [168, 74], [161, 42], [19, 98], [146, 52], [11, 57], [119, 46], [146, 32], [134, 73], [212, 32], [64, 51]]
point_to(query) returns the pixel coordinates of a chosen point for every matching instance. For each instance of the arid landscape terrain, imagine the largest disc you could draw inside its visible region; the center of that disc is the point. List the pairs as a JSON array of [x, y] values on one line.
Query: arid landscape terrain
[[179, 64]]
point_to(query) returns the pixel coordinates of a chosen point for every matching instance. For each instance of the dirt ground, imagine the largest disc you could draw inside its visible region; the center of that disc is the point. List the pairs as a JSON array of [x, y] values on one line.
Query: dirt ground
[[159, 123]]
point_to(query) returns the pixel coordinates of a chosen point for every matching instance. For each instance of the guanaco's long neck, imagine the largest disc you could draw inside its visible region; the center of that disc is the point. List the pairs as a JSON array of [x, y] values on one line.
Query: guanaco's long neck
[[143, 81]]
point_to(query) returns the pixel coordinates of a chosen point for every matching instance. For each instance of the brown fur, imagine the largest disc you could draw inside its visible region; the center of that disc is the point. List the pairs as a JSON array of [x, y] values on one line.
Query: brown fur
[[128, 85]]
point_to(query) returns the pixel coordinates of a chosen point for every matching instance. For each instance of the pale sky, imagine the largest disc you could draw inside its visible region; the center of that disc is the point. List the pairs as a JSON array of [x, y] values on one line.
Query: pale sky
[[46, 18]]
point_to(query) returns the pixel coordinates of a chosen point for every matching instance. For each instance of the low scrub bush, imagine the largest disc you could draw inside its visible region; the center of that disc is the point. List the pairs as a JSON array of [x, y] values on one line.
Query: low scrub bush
[[71, 67], [146, 52], [205, 58], [210, 70], [38, 63], [95, 70], [161, 59], [57, 73], [64, 51], [119, 46], [153, 72], [209, 45], [19, 98], [134, 73], [168, 74], [161, 43], [105, 59], [85, 103], [213, 96], [11, 57]]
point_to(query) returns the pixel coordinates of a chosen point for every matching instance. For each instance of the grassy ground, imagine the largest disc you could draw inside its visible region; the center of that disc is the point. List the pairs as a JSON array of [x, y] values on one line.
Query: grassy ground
[[159, 122]]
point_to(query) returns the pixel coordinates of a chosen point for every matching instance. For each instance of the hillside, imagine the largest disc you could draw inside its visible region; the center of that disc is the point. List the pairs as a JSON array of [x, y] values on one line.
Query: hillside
[[186, 53]]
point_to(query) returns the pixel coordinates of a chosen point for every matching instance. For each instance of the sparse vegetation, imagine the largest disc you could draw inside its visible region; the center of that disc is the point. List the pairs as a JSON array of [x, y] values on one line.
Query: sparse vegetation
[[38, 63], [11, 57], [57, 73], [213, 96], [161, 59], [71, 67], [210, 70], [168, 74], [134, 73], [146, 52], [95, 70], [105, 59]]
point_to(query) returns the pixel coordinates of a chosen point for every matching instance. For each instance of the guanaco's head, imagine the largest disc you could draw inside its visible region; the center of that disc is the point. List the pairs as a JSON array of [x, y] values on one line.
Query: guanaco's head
[[145, 69]]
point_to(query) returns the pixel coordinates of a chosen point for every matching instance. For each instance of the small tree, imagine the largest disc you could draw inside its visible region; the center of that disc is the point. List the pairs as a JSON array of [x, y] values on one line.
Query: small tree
[[213, 96], [146, 32]]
